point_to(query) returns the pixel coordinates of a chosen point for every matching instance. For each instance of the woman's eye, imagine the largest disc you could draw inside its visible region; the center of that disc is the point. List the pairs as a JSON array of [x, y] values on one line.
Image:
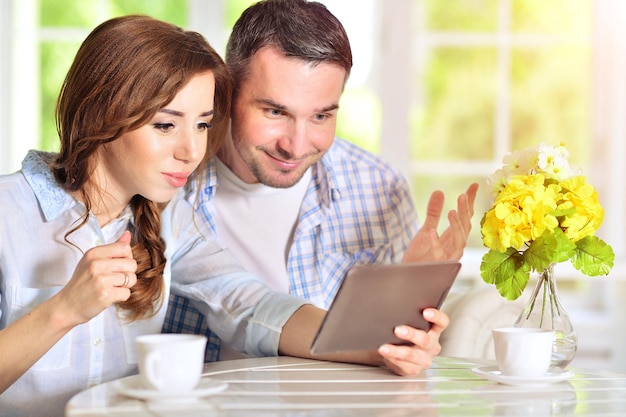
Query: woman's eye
[[164, 127], [204, 126]]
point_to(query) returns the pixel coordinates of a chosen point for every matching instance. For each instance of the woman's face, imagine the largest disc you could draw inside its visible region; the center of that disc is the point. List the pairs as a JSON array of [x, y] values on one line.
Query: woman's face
[[156, 159]]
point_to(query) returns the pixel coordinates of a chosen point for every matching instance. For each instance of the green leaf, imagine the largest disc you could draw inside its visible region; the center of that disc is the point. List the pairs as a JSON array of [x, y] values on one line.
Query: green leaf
[[550, 247], [482, 221], [538, 255], [507, 271], [490, 264], [593, 257], [563, 212], [563, 248]]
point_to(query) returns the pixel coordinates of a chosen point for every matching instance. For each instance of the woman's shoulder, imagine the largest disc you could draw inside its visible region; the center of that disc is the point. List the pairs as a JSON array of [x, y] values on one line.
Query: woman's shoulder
[[34, 187], [14, 183]]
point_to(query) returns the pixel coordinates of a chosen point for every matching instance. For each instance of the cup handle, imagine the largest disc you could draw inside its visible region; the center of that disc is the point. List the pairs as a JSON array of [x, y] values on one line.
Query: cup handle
[[153, 372]]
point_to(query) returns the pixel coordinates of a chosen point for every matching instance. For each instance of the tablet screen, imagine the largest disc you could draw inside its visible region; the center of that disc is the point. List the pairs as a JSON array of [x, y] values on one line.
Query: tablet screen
[[373, 299]]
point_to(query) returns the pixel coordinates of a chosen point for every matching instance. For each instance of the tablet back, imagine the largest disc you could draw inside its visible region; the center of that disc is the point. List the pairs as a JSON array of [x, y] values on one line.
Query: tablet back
[[373, 299]]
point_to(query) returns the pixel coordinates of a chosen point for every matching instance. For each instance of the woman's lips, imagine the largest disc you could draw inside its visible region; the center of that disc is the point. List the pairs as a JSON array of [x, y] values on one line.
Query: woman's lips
[[176, 179]]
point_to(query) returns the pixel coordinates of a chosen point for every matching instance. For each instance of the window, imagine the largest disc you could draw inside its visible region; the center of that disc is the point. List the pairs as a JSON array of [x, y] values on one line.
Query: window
[[40, 39], [511, 76], [440, 89]]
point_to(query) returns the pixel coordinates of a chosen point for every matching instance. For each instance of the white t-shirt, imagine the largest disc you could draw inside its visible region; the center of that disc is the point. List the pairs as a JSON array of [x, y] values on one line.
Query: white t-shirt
[[256, 223]]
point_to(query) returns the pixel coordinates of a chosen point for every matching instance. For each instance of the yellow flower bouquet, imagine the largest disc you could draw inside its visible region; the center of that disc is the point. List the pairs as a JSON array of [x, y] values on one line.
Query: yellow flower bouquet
[[544, 213]]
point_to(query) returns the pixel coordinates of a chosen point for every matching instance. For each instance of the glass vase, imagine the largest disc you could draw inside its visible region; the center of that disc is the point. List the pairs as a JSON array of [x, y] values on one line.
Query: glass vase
[[544, 310]]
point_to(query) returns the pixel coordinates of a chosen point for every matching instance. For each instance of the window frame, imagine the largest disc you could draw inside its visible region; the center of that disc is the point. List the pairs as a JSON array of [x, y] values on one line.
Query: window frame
[[20, 36], [6, 25]]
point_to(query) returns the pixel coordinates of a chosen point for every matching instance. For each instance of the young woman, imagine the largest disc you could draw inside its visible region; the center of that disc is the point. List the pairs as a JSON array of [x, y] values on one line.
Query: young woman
[[87, 254]]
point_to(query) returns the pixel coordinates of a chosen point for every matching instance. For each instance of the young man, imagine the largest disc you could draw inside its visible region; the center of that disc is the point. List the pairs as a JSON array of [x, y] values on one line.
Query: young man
[[296, 205]]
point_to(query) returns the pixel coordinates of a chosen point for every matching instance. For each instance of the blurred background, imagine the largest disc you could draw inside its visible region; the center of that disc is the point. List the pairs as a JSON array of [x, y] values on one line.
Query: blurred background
[[442, 89]]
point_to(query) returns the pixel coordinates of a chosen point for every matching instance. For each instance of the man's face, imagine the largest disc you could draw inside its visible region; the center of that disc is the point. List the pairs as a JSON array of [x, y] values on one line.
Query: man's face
[[283, 118]]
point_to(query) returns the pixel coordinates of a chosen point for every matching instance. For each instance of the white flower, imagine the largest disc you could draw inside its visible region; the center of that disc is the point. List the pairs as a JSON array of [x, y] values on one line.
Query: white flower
[[497, 181], [553, 161], [520, 162]]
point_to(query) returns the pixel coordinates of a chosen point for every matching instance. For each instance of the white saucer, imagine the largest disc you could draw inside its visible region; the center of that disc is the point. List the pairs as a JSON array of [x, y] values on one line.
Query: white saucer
[[132, 387], [492, 373]]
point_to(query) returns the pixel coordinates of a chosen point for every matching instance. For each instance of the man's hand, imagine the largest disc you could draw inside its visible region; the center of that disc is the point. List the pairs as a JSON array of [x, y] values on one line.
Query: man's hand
[[412, 359], [427, 245], [299, 331]]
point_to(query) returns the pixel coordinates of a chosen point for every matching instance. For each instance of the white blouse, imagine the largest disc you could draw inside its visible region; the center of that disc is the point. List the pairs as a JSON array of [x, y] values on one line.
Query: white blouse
[[36, 262]]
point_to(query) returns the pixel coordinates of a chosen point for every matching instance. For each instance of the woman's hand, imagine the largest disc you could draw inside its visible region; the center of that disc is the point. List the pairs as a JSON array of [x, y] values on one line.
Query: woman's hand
[[99, 280], [102, 277]]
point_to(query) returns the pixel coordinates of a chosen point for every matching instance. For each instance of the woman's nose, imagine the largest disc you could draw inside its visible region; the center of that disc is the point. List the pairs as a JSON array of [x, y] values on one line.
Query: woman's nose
[[189, 146]]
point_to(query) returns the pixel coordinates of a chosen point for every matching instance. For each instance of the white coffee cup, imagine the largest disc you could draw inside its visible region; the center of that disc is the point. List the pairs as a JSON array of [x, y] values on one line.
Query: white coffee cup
[[523, 352], [171, 363]]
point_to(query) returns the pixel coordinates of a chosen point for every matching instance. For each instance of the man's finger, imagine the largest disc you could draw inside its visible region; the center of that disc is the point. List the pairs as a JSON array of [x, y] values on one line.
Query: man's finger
[[434, 210], [437, 249], [471, 192]]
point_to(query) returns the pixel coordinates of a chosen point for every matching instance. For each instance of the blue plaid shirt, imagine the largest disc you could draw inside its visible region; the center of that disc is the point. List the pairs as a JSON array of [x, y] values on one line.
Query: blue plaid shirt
[[356, 210]]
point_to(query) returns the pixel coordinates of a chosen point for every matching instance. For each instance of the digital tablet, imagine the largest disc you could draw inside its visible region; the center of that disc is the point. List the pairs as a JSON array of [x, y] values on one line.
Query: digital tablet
[[373, 299]]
